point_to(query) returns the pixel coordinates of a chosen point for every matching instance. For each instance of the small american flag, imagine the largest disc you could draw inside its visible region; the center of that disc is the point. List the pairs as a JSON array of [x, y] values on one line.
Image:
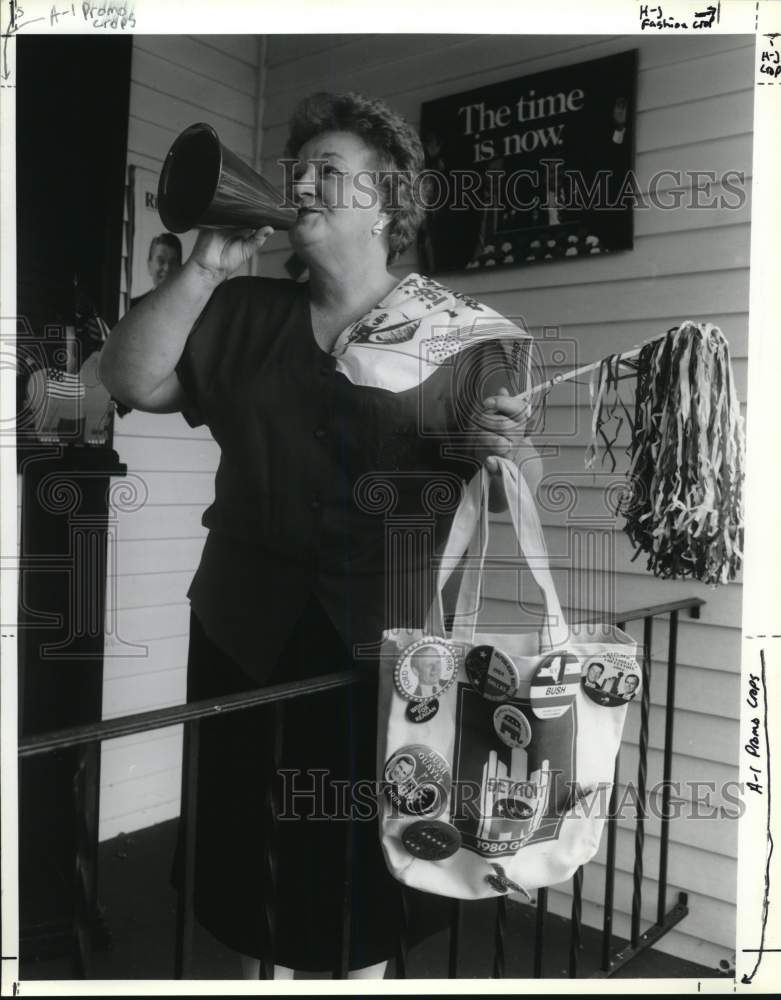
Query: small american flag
[[63, 385]]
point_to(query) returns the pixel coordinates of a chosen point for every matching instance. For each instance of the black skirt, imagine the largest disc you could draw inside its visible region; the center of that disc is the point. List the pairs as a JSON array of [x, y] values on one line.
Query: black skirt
[[324, 829]]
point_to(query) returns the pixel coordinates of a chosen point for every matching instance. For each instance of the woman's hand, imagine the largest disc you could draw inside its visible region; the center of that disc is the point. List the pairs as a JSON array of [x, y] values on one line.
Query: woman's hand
[[138, 361], [220, 252], [502, 433]]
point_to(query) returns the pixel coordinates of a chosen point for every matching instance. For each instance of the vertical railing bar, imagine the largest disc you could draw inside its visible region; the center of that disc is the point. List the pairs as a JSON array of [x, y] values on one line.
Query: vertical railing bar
[[575, 922], [539, 931], [642, 770], [342, 965], [455, 938], [669, 715], [402, 943], [86, 806], [343, 959], [95, 758], [610, 867], [610, 857], [276, 722], [185, 920], [80, 956], [499, 932]]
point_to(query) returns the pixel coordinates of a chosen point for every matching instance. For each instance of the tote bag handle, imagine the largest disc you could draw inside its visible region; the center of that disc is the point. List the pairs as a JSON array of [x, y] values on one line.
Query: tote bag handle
[[469, 534]]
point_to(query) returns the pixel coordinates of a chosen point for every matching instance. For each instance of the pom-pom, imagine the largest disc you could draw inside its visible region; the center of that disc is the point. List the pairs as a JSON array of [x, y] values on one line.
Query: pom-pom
[[687, 453]]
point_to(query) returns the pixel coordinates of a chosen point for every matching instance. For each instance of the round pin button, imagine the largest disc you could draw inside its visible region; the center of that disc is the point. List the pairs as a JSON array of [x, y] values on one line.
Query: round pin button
[[422, 711], [611, 679], [492, 673], [417, 780], [554, 685], [431, 840], [512, 727], [426, 669]]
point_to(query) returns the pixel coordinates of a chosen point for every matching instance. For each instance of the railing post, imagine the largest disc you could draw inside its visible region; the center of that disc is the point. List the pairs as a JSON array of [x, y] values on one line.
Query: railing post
[[610, 867], [539, 931], [610, 857], [185, 919], [499, 932], [85, 902], [669, 715], [402, 944], [642, 770], [575, 922], [455, 938], [276, 723], [342, 965]]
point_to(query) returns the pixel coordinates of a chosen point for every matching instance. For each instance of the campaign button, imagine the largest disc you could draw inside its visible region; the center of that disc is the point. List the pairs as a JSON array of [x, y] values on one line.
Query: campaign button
[[492, 673], [426, 669], [554, 685], [422, 711], [431, 840], [512, 727], [611, 679], [417, 780]]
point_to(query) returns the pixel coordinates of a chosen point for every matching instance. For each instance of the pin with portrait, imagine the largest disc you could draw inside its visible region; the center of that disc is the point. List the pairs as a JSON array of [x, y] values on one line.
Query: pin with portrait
[[611, 679], [426, 669], [417, 780]]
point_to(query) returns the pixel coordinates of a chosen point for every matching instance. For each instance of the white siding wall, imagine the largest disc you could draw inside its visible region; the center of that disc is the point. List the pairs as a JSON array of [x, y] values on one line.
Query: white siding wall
[[694, 112], [175, 82]]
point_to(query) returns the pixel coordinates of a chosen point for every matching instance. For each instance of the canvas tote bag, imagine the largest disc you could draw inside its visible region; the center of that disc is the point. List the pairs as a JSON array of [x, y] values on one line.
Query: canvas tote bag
[[496, 750]]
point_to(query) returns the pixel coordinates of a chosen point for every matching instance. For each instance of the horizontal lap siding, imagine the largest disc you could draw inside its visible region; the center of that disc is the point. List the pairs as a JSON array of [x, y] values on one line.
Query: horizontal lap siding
[[694, 113], [175, 81]]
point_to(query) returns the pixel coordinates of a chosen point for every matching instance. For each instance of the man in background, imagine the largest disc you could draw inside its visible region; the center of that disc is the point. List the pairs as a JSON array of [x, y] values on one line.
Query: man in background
[[165, 259]]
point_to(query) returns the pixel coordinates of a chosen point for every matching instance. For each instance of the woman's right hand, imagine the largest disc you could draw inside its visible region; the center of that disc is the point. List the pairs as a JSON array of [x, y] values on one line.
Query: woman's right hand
[[139, 358], [220, 252]]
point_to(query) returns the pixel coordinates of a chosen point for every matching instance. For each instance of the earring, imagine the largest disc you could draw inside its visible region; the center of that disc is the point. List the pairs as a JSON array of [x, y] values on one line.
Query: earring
[[378, 227]]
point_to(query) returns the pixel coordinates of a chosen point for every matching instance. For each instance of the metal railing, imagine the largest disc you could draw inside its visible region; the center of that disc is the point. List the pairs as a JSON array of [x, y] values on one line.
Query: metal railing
[[191, 714]]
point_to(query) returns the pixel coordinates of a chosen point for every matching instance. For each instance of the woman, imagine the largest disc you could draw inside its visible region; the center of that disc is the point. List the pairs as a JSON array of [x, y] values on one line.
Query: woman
[[325, 398]]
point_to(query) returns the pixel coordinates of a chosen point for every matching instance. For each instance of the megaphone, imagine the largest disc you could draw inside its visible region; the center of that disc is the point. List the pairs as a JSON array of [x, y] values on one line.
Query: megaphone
[[204, 185]]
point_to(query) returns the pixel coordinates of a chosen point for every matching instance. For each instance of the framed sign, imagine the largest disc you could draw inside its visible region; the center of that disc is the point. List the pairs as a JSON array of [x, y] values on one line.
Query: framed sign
[[532, 169]]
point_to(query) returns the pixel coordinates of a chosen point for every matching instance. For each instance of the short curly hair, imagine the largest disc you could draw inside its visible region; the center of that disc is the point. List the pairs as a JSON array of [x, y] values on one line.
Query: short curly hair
[[395, 142]]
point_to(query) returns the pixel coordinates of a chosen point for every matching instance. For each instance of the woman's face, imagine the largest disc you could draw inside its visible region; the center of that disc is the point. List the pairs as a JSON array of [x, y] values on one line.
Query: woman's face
[[338, 202]]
